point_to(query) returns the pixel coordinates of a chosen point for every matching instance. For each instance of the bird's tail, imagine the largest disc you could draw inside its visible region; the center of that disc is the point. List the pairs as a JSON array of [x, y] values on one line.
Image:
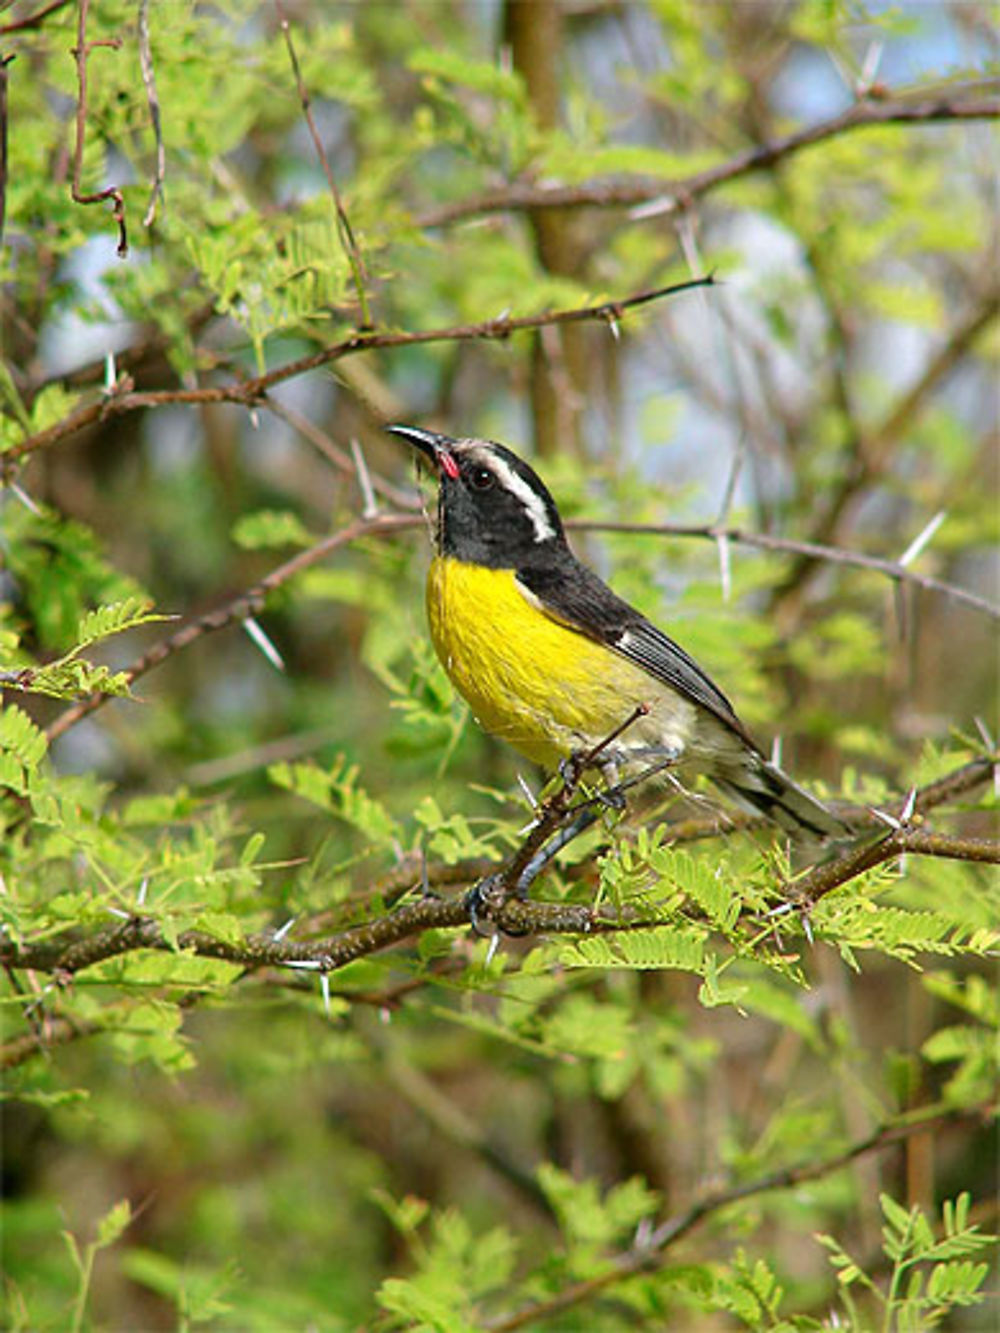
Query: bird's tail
[[764, 789]]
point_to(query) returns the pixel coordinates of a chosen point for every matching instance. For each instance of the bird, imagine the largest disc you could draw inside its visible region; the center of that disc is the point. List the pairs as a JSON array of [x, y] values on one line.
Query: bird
[[554, 662]]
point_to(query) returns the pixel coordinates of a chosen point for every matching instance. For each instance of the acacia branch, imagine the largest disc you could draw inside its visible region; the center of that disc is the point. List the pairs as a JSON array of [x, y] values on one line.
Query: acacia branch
[[251, 392], [812, 551], [822, 879], [507, 913], [252, 601], [675, 195], [651, 1255]]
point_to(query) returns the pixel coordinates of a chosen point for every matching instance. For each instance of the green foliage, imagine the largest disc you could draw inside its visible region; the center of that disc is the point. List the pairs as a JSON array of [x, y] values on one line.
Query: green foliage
[[70, 677], [930, 1274], [453, 1132]]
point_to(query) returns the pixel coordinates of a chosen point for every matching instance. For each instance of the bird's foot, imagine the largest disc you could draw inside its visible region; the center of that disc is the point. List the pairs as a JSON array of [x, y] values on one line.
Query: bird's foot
[[486, 899]]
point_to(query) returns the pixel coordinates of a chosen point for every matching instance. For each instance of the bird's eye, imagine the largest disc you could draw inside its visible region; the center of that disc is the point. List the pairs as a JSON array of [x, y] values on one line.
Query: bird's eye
[[481, 479]]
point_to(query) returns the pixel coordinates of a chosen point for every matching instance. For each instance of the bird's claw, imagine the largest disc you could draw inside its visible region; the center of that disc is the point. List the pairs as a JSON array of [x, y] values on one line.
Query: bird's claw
[[483, 900]]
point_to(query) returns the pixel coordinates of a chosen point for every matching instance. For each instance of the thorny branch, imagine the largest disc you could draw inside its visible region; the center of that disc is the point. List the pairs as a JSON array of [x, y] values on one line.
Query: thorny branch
[[250, 392], [81, 53], [813, 551], [674, 196], [505, 910], [252, 601]]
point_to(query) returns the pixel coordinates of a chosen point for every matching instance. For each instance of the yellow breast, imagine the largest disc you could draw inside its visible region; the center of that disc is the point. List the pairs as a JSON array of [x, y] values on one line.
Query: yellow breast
[[543, 687]]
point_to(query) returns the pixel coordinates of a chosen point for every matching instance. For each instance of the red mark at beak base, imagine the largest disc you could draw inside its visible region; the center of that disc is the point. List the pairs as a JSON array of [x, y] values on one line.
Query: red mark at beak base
[[447, 463]]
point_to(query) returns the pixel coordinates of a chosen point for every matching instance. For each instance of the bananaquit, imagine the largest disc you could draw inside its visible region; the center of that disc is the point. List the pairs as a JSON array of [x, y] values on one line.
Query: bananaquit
[[552, 661]]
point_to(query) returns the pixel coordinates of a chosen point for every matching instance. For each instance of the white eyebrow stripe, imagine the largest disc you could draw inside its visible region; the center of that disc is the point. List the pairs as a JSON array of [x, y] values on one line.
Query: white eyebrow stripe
[[534, 505]]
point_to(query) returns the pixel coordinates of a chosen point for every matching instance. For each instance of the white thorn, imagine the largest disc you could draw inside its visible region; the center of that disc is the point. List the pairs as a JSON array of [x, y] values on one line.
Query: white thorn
[[689, 246], [529, 795], [25, 499], [722, 542], [873, 58], [265, 645], [282, 931], [254, 418], [886, 818], [119, 912], [781, 910], [666, 203], [616, 332], [494, 944], [304, 964], [776, 745], [324, 985], [807, 929], [922, 538], [140, 897], [906, 814], [985, 734], [110, 373], [369, 504]]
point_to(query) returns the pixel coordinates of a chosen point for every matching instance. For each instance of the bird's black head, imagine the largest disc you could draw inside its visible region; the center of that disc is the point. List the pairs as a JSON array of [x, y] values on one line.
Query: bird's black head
[[493, 509]]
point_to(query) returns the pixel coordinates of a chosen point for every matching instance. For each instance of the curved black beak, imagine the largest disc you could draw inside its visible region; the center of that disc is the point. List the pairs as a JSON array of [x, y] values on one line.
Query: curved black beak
[[432, 445]]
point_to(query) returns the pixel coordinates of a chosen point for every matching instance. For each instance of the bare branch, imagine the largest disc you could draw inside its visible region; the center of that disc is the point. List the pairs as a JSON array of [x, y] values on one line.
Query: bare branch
[[674, 196], [806, 891]]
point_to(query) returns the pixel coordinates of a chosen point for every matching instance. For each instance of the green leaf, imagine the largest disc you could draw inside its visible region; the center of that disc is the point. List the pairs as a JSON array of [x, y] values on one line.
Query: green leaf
[[269, 528], [114, 1223]]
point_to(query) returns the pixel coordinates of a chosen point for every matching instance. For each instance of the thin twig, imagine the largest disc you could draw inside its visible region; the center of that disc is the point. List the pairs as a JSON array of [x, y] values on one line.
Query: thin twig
[[344, 230], [806, 891], [341, 460], [4, 77], [81, 53], [153, 101], [33, 20]]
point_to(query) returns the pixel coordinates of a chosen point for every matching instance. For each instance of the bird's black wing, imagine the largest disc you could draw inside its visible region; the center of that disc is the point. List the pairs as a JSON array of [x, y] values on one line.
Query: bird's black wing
[[571, 593]]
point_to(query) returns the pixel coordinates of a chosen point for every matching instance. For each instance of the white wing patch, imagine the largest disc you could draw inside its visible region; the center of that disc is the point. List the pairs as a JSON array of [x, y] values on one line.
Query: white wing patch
[[534, 505]]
